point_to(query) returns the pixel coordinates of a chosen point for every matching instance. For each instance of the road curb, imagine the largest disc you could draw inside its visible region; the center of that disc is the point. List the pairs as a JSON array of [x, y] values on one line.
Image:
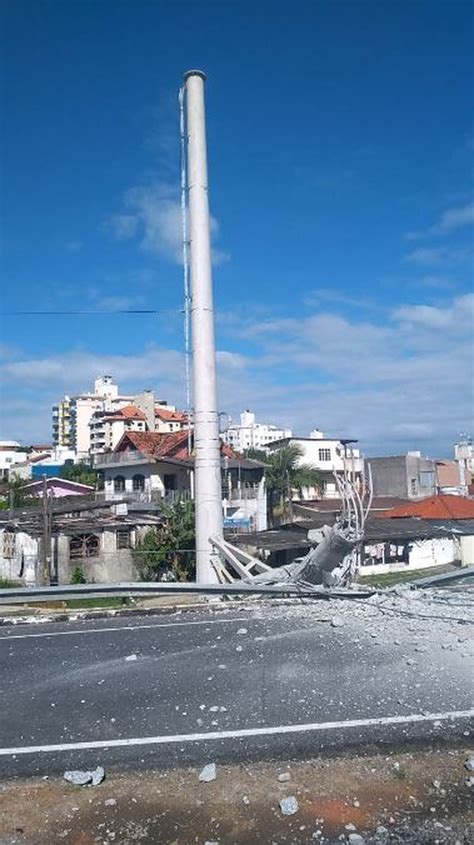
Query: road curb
[[79, 615]]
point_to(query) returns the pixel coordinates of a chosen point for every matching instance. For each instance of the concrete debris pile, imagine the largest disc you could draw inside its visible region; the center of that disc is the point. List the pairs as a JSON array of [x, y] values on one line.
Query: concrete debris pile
[[332, 558]]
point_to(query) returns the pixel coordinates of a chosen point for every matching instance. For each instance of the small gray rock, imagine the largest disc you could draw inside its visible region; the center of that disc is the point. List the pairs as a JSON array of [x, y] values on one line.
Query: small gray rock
[[208, 773], [356, 839], [469, 764], [77, 777], [337, 622], [110, 802], [350, 826], [289, 806], [242, 631], [98, 776], [284, 777]]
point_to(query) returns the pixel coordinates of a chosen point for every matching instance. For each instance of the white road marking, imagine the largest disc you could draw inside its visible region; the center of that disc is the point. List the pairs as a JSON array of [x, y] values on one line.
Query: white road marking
[[239, 734], [122, 628]]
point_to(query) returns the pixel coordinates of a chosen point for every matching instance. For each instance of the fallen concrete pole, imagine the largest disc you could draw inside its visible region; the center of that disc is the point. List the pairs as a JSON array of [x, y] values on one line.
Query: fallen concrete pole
[[68, 592]]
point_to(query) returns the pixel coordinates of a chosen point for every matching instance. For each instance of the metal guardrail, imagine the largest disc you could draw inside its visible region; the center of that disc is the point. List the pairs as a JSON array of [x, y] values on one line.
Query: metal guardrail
[[443, 578], [27, 595]]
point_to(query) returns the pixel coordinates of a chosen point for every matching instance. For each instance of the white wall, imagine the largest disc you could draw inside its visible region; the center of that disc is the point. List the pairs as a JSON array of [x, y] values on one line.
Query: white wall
[[26, 548], [154, 478], [467, 550], [438, 551]]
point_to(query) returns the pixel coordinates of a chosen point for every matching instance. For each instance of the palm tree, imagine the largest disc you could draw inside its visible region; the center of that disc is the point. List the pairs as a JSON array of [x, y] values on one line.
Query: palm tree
[[284, 474]]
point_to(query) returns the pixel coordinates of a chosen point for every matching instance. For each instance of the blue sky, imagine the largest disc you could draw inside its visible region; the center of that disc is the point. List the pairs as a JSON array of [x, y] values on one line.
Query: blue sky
[[341, 169]]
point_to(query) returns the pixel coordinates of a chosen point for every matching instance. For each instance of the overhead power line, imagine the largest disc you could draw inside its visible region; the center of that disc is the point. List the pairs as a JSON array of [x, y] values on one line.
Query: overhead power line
[[80, 312]]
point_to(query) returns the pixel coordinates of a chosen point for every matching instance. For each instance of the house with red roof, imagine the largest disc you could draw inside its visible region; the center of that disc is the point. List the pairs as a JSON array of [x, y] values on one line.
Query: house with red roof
[[159, 466], [168, 420]]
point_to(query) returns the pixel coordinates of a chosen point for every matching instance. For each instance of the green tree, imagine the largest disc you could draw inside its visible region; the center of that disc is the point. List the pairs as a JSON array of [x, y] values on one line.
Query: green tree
[[169, 547], [15, 494], [285, 474], [82, 473]]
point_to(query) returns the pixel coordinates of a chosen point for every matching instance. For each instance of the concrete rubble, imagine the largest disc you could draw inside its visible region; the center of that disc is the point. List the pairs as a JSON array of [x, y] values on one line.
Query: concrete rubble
[[289, 806], [208, 773], [85, 778]]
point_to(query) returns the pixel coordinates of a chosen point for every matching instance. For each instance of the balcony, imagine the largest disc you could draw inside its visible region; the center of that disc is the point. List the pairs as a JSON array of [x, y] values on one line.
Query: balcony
[[118, 459], [168, 497]]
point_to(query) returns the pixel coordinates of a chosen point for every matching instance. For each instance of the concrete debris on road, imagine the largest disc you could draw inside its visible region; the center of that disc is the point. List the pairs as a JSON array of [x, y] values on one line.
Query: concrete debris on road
[[110, 802], [355, 839], [289, 806], [208, 773], [284, 777], [131, 657], [469, 764], [242, 631], [80, 778], [337, 622]]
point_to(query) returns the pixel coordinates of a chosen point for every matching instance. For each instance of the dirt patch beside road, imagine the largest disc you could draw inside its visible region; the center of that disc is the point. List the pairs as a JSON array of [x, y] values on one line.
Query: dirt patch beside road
[[420, 797]]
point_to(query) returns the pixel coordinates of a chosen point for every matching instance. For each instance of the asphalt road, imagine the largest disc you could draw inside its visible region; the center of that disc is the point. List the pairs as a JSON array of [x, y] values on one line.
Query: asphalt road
[[240, 684]]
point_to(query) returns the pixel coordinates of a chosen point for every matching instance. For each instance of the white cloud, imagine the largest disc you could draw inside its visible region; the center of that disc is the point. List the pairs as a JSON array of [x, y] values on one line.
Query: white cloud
[[155, 216], [455, 218], [121, 226], [460, 312], [426, 256], [395, 383], [449, 221], [118, 303]]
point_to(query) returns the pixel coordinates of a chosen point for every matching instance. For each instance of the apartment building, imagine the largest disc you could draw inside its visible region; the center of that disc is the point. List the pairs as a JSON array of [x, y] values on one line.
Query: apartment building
[[93, 422], [250, 434]]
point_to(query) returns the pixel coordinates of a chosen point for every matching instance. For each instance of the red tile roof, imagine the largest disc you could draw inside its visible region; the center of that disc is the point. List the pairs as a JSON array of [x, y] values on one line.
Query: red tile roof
[[171, 416], [436, 507], [157, 445], [129, 412]]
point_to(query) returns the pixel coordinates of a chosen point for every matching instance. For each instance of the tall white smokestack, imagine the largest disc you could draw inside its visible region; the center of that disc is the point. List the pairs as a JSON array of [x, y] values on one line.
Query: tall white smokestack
[[208, 491]]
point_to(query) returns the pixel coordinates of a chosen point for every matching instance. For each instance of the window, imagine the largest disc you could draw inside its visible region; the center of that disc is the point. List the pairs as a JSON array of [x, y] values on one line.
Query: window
[[138, 482], [324, 454], [427, 479], [170, 482], [83, 545], [9, 543], [413, 486], [119, 484], [123, 538]]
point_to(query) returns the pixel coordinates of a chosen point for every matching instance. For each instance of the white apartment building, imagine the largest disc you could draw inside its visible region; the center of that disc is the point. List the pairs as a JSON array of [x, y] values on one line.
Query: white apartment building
[[328, 455], [464, 454], [91, 423], [11, 453], [108, 427], [71, 416], [251, 434]]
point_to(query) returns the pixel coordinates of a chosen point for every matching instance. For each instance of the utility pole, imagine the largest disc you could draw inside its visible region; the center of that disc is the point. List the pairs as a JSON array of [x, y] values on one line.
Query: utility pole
[[47, 504], [208, 493]]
